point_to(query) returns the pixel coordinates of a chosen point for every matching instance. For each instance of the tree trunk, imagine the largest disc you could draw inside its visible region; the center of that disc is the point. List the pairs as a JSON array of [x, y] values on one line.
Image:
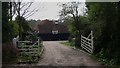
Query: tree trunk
[[19, 21]]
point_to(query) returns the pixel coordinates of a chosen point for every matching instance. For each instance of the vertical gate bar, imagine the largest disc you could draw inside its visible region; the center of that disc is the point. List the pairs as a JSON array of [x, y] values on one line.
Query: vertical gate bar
[[92, 40], [38, 46], [81, 40]]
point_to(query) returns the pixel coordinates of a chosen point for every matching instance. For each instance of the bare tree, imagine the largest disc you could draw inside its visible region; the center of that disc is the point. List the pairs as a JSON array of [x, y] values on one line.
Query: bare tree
[[23, 9]]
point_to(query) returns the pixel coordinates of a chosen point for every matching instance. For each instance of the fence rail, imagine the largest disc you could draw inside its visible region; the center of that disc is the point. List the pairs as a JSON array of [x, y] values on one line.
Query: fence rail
[[87, 42], [27, 47]]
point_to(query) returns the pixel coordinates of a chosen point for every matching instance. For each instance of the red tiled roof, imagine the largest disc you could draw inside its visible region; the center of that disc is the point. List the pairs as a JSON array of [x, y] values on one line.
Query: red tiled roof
[[46, 26]]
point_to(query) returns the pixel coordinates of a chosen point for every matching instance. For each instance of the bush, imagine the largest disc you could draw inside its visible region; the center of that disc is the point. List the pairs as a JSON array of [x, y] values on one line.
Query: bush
[[77, 41], [9, 53], [72, 43]]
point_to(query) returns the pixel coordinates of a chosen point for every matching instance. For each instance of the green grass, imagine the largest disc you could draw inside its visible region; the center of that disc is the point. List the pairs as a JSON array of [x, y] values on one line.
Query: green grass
[[67, 43]]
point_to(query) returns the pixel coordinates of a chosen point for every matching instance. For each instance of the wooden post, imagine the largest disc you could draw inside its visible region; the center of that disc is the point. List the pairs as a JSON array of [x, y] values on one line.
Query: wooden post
[[92, 41], [38, 46], [81, 40]]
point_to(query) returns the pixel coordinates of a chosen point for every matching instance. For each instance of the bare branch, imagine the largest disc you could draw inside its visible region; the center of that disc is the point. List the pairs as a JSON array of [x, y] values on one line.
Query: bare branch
[[18, 6], [26, 10], [31, 14], [14, 9], [24, 4]]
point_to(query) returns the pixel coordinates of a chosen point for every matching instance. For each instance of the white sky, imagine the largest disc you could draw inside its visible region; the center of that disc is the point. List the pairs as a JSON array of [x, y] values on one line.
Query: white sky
[[48, 10]]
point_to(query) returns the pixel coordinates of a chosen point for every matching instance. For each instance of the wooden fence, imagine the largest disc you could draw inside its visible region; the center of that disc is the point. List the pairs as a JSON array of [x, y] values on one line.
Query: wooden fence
[[87, 42], [27, 47]]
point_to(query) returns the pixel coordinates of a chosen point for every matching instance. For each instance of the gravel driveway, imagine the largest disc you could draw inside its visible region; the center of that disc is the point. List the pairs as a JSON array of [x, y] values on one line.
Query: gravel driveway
[[56, 54]]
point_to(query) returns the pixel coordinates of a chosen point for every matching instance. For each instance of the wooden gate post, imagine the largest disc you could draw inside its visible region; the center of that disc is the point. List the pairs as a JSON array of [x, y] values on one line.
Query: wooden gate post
[[92, 41]]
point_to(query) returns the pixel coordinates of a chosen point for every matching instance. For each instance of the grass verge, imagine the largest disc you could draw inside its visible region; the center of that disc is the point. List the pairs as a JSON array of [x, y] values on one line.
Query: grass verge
[[66, 43]]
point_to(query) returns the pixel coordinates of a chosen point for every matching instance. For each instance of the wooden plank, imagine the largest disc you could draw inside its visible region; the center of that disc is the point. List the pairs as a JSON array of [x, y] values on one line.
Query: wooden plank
[[86, 42], [24, 41], [87, 49], [85, 38]]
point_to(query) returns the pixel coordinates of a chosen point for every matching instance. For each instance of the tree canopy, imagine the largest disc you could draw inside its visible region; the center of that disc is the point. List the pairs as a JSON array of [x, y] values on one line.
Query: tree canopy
[[103, 19]]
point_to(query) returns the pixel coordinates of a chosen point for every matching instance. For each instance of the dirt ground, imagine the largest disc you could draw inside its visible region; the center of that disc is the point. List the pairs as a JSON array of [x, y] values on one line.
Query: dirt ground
[[56, 54]]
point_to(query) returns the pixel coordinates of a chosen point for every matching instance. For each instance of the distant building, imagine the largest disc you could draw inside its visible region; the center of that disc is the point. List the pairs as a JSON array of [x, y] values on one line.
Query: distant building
[[47, 26], [53, 30]]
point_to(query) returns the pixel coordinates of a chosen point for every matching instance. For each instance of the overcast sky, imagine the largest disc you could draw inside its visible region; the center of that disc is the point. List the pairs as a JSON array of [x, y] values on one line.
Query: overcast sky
[[48, 10]]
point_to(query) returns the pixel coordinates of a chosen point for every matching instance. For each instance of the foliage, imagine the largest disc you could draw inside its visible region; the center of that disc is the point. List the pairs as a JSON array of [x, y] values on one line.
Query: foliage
[[6, 31], [33, 23], [24, 57], [9, 28], [104, 19], [69, 21], [15, 28], [24, 24], [71, 8], [84, 30], [66, 43]]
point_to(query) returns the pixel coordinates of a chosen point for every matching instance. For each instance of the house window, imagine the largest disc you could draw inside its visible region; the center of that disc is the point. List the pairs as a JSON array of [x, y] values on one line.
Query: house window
[[55, 31], [56, 23]]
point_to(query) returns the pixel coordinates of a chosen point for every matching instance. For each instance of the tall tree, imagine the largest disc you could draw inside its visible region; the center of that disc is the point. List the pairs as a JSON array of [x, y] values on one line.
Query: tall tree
[[104, 18], [71, 8]]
